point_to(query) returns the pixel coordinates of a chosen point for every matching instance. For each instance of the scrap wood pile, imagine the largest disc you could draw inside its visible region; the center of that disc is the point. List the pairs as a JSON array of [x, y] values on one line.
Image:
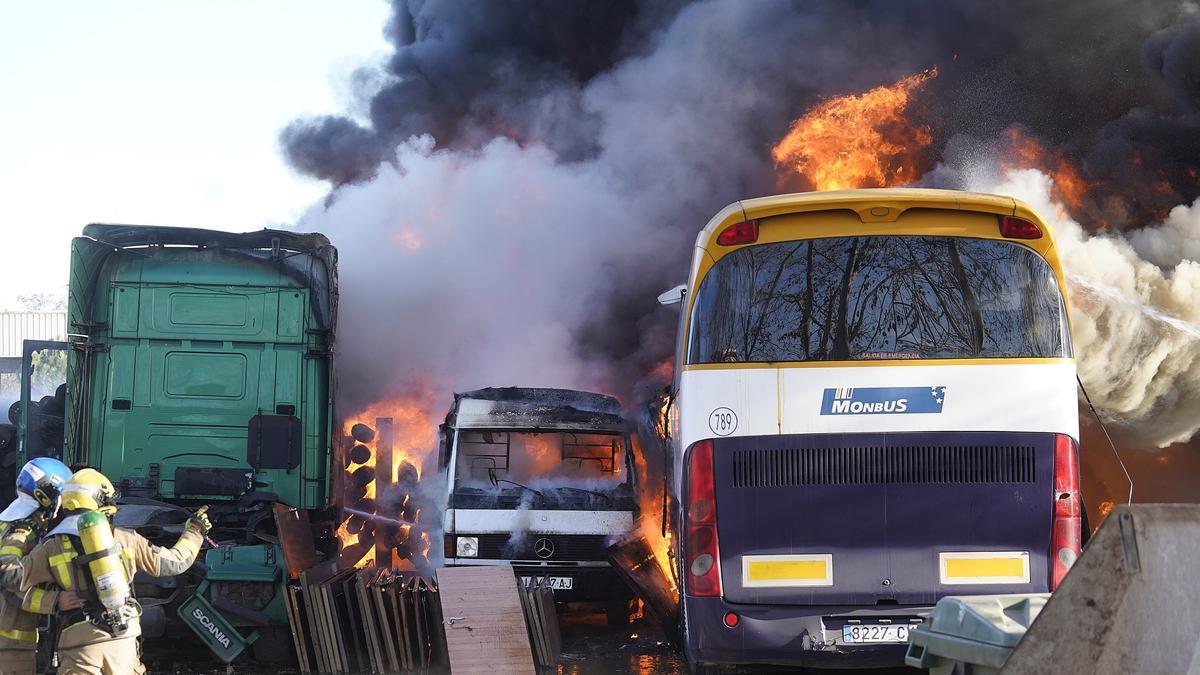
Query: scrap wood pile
[[366, 621], [383, 621]]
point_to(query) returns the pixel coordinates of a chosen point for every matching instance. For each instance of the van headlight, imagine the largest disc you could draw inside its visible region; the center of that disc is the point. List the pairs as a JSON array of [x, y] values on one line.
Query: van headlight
[[467, 547]]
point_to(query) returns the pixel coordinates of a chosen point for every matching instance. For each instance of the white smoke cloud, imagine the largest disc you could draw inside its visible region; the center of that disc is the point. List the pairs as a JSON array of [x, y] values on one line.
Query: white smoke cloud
[[1135, 312], [465, 270]]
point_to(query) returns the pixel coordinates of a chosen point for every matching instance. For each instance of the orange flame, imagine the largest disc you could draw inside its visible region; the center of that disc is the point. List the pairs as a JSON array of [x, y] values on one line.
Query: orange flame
[[414, 438], [651, 506], [664, 370], [1025, 152], [543, 453], [858, 140]]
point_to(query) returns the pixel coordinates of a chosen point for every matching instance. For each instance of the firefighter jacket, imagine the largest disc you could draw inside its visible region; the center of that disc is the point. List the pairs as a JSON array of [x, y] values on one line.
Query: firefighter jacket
[[18, 628], [52, 562]]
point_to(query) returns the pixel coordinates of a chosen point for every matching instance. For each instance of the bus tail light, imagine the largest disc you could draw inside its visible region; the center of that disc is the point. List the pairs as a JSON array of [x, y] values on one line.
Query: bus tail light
[[1066, 533], [703, 559], [1019, 228], [745, 232]]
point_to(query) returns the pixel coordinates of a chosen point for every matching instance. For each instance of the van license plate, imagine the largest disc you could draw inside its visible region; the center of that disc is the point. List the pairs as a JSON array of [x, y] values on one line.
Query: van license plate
[[555, 583], [874, 632]]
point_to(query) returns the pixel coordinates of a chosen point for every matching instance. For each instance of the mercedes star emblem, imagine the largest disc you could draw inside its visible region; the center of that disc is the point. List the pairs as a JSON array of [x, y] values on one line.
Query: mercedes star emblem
[[544, 548]]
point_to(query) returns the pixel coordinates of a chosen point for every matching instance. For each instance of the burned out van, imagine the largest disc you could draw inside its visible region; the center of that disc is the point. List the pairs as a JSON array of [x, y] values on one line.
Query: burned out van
[[542, 479]]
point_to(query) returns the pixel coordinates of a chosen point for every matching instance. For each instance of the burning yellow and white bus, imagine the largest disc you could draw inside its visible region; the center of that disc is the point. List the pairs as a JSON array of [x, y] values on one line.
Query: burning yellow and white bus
[[875, 407]]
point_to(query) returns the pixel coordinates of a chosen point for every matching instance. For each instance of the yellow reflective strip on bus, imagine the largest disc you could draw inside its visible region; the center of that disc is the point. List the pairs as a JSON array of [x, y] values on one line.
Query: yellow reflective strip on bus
[[797, 569], [22, 635], [767, 571], [1008, 567], [983, 567]]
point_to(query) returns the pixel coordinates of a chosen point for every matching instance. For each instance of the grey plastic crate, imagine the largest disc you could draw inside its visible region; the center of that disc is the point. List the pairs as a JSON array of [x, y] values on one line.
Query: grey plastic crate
[[979, 631]]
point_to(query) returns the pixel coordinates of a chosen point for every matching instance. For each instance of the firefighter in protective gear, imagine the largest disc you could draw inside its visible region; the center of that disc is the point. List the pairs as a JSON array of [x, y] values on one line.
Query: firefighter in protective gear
[[39, 485], [93, 564]]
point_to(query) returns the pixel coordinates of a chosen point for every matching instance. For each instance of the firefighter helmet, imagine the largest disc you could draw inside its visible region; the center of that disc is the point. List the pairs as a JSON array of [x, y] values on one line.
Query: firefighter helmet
[[89, 490], [39, 486]]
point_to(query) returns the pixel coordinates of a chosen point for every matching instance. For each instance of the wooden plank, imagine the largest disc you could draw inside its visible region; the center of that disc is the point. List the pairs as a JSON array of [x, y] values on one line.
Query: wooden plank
[[334, 611], [296, 621], [485, 606], [310, 609], [408, 620], [295, 538], [529, 607], [370, 625], [547, 624], [351, 622], [384, 479], [549, 614], [438, 658], [393, 604], [324, 628], [387, 630], [420, 598], [338, 662]]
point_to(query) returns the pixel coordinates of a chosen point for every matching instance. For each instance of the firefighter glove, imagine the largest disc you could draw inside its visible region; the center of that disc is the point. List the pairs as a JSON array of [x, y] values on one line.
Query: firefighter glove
[[37, 522], [199, 521]]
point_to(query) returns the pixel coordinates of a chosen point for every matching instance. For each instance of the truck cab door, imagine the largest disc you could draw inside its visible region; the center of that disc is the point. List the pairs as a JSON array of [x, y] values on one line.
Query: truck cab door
[[41, 422]]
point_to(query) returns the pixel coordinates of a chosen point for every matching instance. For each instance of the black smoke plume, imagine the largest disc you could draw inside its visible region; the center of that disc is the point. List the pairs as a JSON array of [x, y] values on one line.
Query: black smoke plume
[[528, 176]]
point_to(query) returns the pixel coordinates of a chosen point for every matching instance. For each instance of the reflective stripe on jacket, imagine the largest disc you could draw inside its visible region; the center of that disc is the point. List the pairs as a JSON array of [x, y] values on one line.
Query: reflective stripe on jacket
[[52, 562], [18, 628]]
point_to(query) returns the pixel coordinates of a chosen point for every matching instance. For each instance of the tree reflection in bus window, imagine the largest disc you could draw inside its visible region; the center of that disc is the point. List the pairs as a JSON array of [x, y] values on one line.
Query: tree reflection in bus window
[[879, 297]]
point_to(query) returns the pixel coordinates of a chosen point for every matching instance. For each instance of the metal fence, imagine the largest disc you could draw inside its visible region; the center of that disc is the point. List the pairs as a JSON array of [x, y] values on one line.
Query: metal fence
[[16, 327]]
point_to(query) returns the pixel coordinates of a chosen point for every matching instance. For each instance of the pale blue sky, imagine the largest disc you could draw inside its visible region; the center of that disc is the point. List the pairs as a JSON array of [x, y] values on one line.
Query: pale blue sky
[[164, 113]]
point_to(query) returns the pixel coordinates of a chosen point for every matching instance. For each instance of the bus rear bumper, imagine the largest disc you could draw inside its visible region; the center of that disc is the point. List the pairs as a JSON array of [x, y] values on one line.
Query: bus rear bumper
[[808, 635]]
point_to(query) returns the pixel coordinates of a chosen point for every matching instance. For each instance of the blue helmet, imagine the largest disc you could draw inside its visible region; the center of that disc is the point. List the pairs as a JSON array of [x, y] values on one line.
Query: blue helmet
[[39, 486]]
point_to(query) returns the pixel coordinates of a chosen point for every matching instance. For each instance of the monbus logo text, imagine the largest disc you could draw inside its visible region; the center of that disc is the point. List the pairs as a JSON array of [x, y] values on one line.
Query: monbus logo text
[[882, 400]]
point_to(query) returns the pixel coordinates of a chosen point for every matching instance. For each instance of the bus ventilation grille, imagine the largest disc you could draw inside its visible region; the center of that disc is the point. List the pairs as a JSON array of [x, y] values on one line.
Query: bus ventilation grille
[[875, 465]]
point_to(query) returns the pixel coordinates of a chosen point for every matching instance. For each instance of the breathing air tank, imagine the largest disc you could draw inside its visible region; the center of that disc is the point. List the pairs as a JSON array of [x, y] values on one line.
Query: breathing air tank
[[108, 573]]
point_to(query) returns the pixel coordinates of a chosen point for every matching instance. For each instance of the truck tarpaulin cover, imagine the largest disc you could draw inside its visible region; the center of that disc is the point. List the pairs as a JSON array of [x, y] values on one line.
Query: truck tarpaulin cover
[[261, 245]]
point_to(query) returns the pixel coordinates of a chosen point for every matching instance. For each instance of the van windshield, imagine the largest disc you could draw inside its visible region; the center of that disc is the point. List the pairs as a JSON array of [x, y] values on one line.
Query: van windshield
[[542, 469], [878, 297]]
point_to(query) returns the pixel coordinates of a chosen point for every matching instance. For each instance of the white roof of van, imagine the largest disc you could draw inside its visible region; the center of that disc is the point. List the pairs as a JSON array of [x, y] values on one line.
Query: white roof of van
[[536, 408]]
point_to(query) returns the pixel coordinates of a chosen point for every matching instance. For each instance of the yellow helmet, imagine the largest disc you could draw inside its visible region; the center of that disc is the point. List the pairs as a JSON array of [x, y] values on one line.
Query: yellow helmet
[[89, 490]]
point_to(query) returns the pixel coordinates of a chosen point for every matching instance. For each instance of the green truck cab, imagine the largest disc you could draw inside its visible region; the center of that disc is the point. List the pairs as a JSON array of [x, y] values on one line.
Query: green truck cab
[[199, 371]]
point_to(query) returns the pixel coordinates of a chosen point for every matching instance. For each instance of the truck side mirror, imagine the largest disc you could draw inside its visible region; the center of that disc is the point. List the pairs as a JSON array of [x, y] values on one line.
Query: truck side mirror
[[673, 296]]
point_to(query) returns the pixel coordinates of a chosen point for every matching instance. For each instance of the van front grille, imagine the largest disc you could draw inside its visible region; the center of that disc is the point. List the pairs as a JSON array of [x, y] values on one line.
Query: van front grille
[[533, 546], [785, 467]]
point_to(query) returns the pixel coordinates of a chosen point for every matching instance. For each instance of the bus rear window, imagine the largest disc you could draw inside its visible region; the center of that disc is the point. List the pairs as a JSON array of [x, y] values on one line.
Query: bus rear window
[[878, 297]]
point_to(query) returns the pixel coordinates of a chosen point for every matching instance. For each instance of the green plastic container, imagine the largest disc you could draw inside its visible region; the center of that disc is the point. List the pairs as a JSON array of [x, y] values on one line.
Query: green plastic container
[[979, 631], [213, 628]]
